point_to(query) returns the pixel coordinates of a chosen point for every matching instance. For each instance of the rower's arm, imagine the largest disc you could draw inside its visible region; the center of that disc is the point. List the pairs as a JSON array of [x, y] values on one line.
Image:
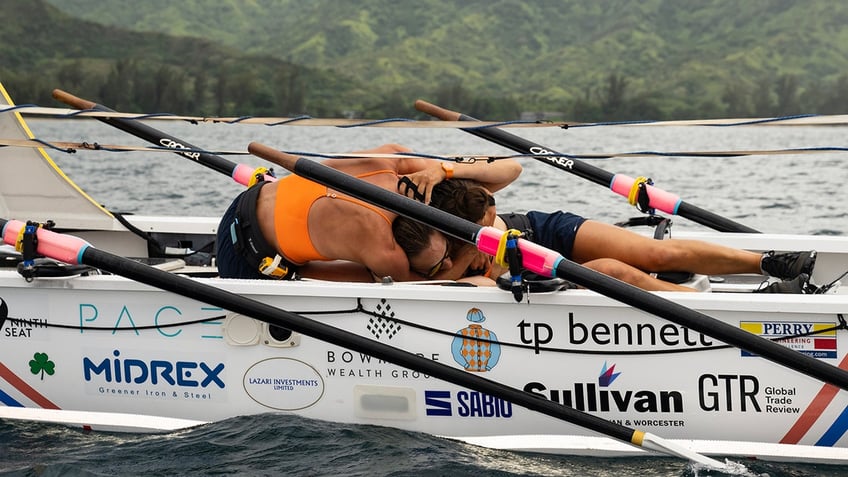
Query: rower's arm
[[493, 175], [389, 262], [427, 173], [336, 270]]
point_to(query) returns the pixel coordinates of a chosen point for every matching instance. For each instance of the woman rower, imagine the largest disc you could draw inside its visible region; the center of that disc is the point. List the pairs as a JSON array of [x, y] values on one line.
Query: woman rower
[[295, 227]]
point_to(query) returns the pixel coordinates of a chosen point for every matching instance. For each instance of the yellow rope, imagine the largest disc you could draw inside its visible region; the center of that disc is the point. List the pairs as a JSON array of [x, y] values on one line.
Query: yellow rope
[[634, 191], [19, 242], [258, 174], [500, 256]]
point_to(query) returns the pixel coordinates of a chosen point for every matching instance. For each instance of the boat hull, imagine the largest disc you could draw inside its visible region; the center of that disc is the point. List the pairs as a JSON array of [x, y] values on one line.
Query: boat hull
[[103, 352], [147, 369]]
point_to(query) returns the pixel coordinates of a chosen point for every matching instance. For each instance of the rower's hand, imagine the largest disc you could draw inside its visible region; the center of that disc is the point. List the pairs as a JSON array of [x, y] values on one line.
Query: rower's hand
[[481, 261], [423, 182]]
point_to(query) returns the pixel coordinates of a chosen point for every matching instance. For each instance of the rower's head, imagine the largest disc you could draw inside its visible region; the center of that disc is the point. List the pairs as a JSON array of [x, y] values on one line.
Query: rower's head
[[427, 249], [466, 199]]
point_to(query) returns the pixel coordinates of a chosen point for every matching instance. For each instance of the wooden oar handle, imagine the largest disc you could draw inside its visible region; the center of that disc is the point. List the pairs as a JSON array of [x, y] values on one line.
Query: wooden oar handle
[[72, 100], [437, 111], [279, 158]]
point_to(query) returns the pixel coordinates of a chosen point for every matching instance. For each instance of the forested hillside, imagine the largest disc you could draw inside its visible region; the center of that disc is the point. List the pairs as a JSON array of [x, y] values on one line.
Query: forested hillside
[[604, 59], [44, 48]]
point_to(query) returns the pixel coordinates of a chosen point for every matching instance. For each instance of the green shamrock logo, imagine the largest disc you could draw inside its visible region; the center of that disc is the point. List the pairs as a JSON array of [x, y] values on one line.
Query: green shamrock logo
[[41, 363]]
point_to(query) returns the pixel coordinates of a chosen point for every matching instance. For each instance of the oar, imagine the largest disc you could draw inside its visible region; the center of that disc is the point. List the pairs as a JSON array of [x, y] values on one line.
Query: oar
[[618, 183], [241, 173], [74, 250], [551, 264]]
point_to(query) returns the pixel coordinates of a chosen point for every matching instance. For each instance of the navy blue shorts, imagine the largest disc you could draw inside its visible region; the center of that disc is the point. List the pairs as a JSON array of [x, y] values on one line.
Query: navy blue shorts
[[556, 230], [232, 264]]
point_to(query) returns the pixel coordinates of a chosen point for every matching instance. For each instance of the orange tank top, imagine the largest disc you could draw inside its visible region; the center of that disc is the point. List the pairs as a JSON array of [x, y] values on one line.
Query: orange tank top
[[295, 197]]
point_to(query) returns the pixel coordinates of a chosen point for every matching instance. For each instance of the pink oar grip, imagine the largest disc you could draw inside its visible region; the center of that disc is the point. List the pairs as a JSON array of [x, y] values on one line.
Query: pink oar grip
[[243, 174], [535, 258], [64, 248], [660, 199]]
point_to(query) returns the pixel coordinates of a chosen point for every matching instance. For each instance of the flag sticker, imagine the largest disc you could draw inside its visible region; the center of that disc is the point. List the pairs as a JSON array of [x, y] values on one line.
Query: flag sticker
[[817, 340]]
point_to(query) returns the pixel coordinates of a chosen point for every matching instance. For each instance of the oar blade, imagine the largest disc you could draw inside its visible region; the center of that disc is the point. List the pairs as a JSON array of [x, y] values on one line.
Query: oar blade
[[658, 444]]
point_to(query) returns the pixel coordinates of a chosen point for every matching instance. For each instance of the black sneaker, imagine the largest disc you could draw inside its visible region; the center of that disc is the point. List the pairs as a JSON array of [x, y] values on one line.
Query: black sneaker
[[787, 266], [800, 285]]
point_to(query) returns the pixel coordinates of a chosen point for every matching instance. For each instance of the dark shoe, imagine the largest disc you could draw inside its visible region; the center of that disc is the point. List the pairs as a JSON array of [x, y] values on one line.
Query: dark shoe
[[787, 266], [800, 285]]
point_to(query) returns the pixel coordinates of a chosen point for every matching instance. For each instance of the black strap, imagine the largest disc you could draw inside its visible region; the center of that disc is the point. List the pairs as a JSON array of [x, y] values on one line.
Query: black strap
[[518, 222], [249, 242], [409, 185], [513, 257], [643, 200]]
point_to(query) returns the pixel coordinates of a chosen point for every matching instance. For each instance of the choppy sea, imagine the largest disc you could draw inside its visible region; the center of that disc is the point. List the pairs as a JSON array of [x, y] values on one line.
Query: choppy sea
[[782, 193]]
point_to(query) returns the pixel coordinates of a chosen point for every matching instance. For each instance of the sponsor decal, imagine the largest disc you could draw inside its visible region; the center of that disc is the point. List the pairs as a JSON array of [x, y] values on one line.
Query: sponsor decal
[[780, 400], [283, 384], [24, 328], [136, 315], [41, 364], [563, 161], [475, 348], [598, 397], [608, 335], [466, 404], [822, 344], [137, 377], [542, 334], [380, 326], [32, 327], [172, 144], [633, 335], [360, 365], [744, 393], [728, 392]]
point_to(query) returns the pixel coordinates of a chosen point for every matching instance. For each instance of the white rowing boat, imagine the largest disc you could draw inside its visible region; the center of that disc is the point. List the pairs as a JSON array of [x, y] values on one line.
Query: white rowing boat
[[103, 351]]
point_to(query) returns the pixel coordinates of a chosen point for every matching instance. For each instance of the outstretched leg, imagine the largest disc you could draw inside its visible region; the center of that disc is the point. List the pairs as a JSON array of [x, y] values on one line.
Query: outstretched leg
[[632, 275], [597, 240]]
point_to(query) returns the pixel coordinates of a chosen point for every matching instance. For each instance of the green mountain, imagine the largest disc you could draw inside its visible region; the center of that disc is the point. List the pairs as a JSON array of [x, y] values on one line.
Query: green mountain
[[602, 59], [44, 48]]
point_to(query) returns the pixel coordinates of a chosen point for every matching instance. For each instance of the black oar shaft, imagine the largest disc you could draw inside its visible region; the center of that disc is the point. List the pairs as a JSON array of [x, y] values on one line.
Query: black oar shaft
[[702, 323], [591, 279], [598, 175], [447, 223], [160, 138], [65, 247], [577, 167], [74, 250], [155, 136], [323, 332], [519, 144]]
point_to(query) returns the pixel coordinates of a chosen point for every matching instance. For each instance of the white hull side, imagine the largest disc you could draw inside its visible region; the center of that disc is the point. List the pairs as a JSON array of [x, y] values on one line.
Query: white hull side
[[227, 367]]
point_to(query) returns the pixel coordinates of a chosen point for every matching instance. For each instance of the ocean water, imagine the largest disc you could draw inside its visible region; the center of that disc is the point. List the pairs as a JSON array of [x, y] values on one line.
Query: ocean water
[[792, 193], [277, 445]]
